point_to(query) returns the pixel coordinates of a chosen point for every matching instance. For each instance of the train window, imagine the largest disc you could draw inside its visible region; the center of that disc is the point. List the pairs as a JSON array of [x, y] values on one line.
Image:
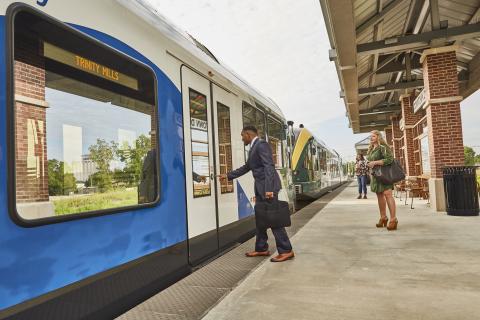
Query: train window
[[224, 146], [200, 146], [323, 160], [315, 158], [253, 117], [276, 138], [84, 124]]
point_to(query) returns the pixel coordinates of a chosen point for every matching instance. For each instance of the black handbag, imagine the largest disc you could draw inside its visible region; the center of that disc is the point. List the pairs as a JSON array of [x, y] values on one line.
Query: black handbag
[[389, 174], [272, 214]]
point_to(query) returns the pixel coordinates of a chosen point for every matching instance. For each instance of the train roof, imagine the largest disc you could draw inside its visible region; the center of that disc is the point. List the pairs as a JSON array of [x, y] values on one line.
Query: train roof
[[149, 14]]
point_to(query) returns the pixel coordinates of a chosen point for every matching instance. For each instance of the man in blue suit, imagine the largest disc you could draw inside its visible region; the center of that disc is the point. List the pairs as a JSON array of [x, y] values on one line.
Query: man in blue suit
[[267, 186]]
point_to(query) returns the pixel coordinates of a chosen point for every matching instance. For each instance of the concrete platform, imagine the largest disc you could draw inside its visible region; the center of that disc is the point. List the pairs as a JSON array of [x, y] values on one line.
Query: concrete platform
[[346, 268]]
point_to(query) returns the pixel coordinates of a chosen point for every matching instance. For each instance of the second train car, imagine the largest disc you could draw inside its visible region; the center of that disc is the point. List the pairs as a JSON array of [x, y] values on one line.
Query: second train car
[[316, 169]]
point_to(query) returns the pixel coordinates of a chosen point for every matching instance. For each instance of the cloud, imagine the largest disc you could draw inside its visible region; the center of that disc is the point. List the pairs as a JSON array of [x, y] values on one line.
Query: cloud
[[281, 48]]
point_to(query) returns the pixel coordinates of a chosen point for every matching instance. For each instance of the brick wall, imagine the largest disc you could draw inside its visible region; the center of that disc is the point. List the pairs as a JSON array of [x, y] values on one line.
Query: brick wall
[[440, 75], [443, 119], [396, 135], [30, 124], [444, 137], [410, 119], [389, 136]]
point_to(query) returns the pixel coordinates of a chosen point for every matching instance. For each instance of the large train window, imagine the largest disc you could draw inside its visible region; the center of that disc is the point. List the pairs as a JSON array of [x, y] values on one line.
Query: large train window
[[84, 122], [276, 138]]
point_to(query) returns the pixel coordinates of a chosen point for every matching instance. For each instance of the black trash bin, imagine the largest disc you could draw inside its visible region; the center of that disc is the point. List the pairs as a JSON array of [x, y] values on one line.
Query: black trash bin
[[461, 191]]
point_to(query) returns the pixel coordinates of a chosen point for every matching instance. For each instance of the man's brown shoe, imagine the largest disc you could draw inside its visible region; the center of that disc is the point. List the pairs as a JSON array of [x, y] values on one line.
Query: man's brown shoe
[[283, 257], [258, 254]]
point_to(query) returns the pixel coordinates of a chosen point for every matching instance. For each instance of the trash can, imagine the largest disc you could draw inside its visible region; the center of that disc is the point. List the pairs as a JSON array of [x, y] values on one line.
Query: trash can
[[461, 193]]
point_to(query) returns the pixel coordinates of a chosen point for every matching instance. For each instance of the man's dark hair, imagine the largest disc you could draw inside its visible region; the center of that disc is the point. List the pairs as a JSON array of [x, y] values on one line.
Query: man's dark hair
[[250, 128]]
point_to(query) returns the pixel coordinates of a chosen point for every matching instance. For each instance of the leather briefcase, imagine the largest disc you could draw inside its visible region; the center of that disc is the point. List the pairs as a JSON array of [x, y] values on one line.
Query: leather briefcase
[[272, 214]]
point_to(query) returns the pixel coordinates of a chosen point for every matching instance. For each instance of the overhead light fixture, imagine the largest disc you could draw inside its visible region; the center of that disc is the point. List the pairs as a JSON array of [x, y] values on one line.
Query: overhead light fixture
[[391, 40], [332, 54]]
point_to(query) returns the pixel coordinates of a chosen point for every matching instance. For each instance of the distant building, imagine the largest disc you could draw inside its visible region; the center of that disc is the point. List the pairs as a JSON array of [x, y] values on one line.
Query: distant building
[[88, 168], [362, 145]]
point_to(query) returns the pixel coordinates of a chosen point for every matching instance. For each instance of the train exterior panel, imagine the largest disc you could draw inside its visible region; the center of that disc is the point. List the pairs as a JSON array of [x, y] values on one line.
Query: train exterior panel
[[127, 112], [316, 168]]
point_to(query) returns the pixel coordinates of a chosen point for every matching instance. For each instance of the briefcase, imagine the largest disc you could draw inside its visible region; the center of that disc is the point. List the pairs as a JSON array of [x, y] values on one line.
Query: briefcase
[[272, 214]]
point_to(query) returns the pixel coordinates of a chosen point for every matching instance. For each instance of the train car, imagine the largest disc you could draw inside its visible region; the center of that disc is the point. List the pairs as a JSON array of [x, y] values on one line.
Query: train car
[[316, 168], [113, 125]]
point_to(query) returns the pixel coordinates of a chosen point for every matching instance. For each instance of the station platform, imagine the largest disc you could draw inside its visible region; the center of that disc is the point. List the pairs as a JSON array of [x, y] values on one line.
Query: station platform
[[345, 268], [193, 296]]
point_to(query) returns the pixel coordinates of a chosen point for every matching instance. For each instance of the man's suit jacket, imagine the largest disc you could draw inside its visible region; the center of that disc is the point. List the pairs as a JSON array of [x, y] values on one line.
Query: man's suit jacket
[[260, 162]]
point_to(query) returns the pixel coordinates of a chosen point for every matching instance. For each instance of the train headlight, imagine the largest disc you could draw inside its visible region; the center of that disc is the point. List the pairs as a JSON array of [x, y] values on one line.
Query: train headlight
[[295, 172]]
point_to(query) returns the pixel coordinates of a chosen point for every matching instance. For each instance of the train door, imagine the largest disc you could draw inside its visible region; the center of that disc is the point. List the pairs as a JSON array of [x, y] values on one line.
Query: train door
[[225, 130], [199, 167]]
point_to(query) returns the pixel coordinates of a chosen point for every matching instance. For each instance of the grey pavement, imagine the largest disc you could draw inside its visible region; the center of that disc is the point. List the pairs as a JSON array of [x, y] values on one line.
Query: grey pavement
[[346, 268]]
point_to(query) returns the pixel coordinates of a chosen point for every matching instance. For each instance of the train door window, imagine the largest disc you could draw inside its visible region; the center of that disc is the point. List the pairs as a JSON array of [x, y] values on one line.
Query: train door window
[[253, 117], [224, 146], [84, 123], [276, 139], [315, 157], [323, 160], [200, 145]]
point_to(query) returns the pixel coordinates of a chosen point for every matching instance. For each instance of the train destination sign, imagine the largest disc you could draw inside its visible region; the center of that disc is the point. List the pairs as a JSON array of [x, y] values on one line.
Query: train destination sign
[[78, 62]]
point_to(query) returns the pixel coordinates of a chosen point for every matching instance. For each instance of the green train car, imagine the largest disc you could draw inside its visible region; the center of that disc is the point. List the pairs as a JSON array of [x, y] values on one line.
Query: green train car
[[316, 169]]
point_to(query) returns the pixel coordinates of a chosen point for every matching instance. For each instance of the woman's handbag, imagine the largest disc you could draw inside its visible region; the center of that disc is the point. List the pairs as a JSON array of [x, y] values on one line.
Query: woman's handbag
[[272, 214], [389, 174], [367, 179]]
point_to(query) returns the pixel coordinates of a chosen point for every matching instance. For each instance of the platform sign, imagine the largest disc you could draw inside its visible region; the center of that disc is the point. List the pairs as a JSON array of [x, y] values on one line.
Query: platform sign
[[420, 101]]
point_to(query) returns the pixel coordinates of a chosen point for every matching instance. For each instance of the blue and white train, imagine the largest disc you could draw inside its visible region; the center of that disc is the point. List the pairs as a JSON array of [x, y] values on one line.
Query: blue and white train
[[113, 125]]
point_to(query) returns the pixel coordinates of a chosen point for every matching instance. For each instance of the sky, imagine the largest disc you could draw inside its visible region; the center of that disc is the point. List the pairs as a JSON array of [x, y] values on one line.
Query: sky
[[281, 48]]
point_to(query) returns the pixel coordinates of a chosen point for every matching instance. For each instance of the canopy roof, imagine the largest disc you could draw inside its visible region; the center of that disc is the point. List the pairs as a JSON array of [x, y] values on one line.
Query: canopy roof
[[377, 45]]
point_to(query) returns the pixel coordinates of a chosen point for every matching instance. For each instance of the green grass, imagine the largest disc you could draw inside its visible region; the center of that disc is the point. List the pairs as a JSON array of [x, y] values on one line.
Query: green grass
[[97, 201], [478, 175]]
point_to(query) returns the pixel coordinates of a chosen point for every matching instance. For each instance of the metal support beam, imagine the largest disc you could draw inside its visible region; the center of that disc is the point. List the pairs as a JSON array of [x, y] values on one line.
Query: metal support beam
[[389, 87], [419, 41], [377, 17], [375, 111], [380, 66]]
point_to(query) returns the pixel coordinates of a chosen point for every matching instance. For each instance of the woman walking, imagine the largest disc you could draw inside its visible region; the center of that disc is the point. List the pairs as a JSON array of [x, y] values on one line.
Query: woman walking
[[380, 154], [361, 170]]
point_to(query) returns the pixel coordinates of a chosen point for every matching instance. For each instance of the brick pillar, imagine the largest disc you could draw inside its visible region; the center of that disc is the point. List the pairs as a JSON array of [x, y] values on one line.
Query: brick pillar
[[396, 136], [443, 116], [31, 162], [410, 119], [389, 136]]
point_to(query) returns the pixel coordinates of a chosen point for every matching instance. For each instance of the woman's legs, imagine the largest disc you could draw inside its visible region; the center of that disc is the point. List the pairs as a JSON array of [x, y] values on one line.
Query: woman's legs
[[382, 204], [364, 185], [391, 204], [359, 181]]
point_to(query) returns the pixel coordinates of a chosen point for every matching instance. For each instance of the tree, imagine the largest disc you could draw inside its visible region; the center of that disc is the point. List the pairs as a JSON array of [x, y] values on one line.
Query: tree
[[59, 182], [102, 153], [133, 158], [469, 156]]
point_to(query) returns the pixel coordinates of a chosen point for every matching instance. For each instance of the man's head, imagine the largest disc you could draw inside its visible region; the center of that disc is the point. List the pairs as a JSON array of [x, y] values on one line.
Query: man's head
[[248, 134]]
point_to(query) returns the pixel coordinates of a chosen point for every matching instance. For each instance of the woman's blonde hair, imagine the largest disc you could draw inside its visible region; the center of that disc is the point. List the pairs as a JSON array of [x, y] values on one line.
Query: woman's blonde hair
[[380, 140]]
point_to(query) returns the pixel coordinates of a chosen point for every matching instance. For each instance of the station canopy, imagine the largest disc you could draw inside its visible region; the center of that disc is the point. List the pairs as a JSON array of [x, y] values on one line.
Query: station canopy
[[377, 45]]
